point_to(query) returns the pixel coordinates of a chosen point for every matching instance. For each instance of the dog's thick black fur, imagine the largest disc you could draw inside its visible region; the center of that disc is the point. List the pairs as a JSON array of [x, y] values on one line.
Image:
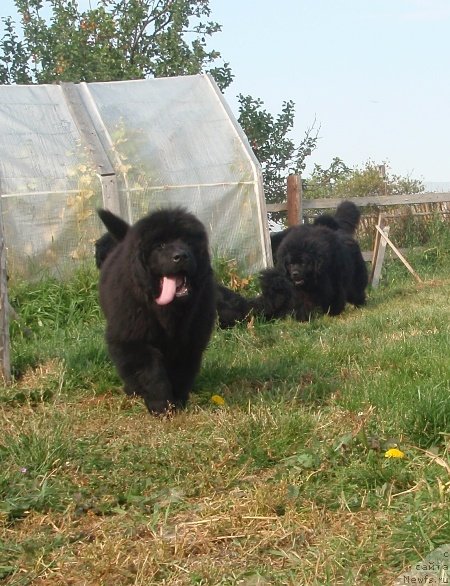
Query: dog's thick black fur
[[321, 265], [275, 300], [231, 307], [275, 240], [159, 298]]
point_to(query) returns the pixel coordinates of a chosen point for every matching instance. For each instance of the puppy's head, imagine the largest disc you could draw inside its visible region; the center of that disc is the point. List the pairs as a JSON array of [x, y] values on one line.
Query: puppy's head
[[171, 256], [302, 269], [172, 266], [300, 257]]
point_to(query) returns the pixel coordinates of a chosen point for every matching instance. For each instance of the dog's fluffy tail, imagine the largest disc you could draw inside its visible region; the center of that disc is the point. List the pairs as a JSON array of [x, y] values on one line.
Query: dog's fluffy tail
[[346, 218]]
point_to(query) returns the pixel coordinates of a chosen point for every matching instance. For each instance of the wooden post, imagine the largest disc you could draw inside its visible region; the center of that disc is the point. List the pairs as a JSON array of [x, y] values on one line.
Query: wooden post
[[5, 361], [379, 251], [300, 199], [376, 245], [294, 190]]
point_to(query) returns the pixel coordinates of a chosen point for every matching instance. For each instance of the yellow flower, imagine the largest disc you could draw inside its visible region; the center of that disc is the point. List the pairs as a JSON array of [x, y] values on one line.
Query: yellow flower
[[394, 453], [218, 400]]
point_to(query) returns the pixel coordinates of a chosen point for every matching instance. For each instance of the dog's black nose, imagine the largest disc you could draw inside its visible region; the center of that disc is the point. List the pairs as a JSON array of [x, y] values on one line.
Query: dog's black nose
[[179, 256]]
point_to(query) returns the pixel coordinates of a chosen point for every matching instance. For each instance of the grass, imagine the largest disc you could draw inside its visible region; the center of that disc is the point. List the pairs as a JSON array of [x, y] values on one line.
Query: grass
[[285, 483]]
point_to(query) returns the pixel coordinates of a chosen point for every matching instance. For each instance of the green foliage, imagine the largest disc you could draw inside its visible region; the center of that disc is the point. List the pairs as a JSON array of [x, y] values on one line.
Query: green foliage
[[117, 40], [269, 139], [29, 459], [429, 421], [50, 312], [339, 180], [322, 181], [14, 67], [51, 303]]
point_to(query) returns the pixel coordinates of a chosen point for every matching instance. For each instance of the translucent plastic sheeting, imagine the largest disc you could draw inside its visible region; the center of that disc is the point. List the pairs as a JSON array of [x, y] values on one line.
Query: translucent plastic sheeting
[[132, 146]]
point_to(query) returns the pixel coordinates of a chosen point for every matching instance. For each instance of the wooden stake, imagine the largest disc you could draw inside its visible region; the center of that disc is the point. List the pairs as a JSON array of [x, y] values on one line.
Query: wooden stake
[[378, 252], [400, 255], [5, 363], [293, 199], [378, 257]]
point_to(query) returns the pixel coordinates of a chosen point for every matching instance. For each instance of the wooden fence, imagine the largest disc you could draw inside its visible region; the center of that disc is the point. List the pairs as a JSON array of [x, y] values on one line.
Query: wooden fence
[[295, 205]]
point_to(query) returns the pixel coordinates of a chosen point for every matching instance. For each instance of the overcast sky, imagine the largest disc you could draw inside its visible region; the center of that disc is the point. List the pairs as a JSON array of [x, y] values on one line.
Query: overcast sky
[[374, 74]]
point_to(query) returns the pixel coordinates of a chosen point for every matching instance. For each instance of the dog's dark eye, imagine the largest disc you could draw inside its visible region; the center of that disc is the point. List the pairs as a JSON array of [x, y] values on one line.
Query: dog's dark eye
[[160, 246]]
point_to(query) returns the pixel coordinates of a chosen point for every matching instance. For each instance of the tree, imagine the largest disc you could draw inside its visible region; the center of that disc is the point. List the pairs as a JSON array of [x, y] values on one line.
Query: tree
[[269, 139], [117, 40], [339, 180]]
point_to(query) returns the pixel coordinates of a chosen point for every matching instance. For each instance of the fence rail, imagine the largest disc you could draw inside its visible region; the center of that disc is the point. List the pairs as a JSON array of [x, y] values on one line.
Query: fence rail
[[324, 203]]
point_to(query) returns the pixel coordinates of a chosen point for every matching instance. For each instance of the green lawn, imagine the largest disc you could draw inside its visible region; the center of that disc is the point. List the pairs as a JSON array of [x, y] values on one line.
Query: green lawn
[[287, 482]]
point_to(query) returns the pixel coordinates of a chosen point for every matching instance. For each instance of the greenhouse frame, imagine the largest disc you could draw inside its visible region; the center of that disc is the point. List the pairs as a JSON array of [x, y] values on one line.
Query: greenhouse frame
[[132, 147]]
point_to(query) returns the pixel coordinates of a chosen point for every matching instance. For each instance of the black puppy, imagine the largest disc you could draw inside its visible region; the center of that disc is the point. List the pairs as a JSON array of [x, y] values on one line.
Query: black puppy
[[158, 296], [322, 263]]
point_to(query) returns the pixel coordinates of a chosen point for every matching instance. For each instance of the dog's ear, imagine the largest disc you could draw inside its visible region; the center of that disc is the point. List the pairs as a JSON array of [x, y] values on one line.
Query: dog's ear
[[117, 227]]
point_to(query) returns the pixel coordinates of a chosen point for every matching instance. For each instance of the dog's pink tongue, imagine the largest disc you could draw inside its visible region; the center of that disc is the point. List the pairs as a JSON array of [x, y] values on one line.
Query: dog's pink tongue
[[168, 289]]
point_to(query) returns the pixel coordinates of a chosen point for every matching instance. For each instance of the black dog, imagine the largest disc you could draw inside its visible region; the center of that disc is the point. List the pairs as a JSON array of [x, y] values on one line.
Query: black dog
[[232, 307], [158, 296], [321, 264]]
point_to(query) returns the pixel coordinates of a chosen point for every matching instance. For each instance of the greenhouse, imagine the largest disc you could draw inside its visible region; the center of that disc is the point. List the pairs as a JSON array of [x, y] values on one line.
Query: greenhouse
[[132, 147]]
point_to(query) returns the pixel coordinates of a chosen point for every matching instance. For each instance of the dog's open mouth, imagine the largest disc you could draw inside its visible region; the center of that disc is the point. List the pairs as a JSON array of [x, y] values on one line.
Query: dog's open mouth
[[297, 279], [172, 286], [298, 282]]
